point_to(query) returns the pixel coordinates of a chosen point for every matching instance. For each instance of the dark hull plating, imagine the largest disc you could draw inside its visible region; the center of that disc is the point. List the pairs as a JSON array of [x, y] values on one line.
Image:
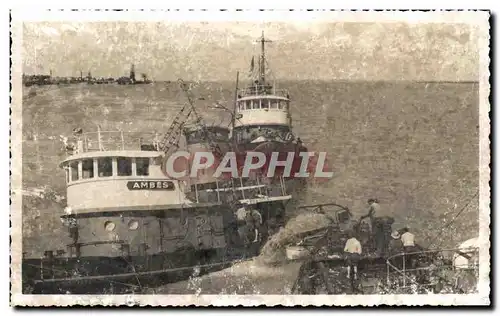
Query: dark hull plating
[[98, 275], [162, 249]]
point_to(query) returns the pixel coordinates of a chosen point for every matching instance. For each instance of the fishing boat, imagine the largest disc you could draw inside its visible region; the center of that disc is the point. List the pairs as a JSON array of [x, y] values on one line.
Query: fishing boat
[[262, 122]]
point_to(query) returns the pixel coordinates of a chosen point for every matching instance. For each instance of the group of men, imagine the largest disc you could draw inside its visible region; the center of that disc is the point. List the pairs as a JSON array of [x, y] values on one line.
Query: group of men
[[402, 241]]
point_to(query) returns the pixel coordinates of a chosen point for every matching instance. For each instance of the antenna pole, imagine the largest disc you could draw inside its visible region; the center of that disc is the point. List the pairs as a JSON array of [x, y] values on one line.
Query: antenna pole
[[99, 140], [262, 60], [233, 118]]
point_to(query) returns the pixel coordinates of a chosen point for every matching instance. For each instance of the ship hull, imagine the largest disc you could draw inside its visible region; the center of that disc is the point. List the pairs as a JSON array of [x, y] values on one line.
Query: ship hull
[[295, 186], [100, 275], [283, 149], [168, 249]]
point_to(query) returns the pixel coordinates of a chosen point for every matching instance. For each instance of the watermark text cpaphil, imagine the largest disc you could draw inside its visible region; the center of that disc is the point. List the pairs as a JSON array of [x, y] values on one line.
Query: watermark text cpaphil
[[305, 164]]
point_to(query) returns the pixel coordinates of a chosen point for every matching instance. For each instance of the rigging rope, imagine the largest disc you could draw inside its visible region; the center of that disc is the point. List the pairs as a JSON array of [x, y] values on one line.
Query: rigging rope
[[451, 222]]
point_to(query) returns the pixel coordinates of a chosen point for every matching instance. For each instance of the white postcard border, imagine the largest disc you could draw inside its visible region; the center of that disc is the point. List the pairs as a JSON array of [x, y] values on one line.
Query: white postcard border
[[478, 18]]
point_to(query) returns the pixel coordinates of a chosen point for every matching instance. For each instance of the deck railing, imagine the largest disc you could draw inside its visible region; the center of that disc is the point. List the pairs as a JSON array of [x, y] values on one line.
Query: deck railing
[[228, 191], [420, 271], [114, 140], [257, 90]]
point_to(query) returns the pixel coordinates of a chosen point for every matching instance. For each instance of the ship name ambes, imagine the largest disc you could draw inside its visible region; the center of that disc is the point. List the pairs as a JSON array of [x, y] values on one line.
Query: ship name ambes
[[150, 185]]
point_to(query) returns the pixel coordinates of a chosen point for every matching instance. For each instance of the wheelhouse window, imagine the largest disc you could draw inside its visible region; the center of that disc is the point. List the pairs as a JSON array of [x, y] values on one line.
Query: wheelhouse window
[[274, 104], [105, 167], [142, 166], [248, 104], [74, 170], [282, 105], [255, 104], [124, 166], [87, 168], [264, 104]]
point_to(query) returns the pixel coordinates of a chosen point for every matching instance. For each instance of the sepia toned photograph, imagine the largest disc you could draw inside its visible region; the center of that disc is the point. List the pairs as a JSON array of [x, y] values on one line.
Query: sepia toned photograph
[[250, 158]]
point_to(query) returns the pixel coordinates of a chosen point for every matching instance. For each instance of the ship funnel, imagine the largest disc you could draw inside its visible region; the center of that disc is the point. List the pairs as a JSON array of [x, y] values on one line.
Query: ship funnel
[[132, 73]]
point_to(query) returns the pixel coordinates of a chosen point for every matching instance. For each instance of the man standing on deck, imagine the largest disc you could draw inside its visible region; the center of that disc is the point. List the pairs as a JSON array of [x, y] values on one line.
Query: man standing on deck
[[395, 245], [408, 240], [249, 223], [376, 229], [373, 210], [352, 250]]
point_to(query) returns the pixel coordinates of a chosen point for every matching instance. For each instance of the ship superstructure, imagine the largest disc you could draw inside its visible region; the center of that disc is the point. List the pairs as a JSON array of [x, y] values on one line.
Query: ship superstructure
[[262, 122], [262, 110]]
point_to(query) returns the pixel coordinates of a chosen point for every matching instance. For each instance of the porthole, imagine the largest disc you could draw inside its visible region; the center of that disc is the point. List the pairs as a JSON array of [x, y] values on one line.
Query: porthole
[[133, 225], [109, 226]]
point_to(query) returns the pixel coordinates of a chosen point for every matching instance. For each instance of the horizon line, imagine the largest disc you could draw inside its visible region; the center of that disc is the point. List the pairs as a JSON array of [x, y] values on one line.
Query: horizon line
[[338, 80]]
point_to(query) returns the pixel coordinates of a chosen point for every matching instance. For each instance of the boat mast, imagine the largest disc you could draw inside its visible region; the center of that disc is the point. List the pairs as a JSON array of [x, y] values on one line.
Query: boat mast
[[233, 118], [262, 61]]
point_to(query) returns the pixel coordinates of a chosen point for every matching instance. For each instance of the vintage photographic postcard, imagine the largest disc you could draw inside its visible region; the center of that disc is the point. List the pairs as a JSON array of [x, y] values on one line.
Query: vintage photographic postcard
[[225, 158]]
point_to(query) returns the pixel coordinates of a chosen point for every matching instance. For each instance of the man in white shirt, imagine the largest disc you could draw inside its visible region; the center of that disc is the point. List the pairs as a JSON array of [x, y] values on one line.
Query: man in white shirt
[[352, 250], [408, 240]]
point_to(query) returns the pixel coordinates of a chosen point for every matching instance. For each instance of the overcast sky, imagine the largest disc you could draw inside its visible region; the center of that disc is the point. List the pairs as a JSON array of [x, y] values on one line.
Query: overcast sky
[[216, 50]]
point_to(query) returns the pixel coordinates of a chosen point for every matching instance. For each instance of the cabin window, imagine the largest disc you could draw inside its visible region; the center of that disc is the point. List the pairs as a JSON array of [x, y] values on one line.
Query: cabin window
[[105, 167], [142, 166], [255, 104], [124, 166], [274, 104], [67, 174], [87, 168], [282, 104], [74, 170], [264, 104]]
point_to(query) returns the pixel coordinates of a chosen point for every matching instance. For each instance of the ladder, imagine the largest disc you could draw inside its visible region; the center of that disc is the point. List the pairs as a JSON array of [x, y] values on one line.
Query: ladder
[[171, 138]]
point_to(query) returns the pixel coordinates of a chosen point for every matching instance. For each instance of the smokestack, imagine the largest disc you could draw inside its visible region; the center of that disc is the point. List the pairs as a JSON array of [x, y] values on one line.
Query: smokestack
[[132, 73]]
